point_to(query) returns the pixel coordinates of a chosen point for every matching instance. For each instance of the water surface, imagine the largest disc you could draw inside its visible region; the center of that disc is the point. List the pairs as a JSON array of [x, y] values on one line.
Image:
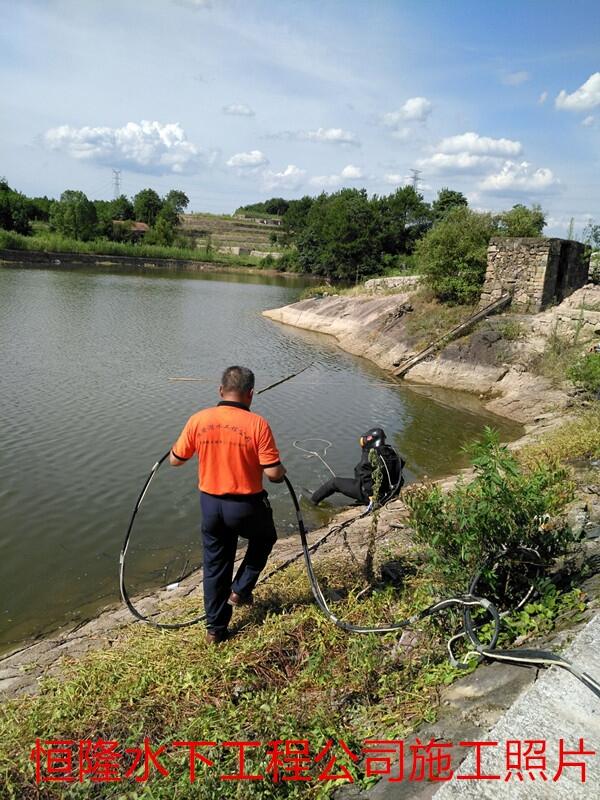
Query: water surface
[[87, 407]]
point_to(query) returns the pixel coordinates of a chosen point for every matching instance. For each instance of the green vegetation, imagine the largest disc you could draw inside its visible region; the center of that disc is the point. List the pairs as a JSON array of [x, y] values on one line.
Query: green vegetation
[[16, 211], [344, 236], [446, 200], [511, 330], [55, 243], [74, 216], [430, 319], [560, 352], [522, 221], [504, 507], [585, 372], [275, 207], [576, 439], [453, 254], [349, 236]]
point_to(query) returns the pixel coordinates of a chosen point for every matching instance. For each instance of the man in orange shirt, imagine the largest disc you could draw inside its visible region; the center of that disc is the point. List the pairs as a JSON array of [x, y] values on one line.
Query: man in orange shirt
[[235, 448]]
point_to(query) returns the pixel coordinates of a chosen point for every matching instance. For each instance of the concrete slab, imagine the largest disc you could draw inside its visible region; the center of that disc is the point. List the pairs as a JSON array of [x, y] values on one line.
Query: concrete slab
[[555, 707]]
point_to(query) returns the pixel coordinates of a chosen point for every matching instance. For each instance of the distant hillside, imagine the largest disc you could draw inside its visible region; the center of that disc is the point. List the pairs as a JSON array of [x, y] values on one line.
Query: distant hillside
[[226, 232]]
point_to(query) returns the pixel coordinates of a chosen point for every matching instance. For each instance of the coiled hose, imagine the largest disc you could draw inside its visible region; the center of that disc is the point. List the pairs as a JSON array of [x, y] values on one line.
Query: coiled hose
[[467, 603]]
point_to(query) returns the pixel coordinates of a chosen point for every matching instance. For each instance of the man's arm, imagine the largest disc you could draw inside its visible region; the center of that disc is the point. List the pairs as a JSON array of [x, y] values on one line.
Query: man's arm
[[176, 461], [275, 474]]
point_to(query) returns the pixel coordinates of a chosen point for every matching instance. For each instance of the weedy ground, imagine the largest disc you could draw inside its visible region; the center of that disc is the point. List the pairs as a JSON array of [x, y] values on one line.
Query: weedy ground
[[287, 674]]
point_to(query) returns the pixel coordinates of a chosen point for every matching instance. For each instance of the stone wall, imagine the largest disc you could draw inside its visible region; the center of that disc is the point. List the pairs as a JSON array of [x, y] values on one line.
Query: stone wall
[[401, 282], [535, 271]]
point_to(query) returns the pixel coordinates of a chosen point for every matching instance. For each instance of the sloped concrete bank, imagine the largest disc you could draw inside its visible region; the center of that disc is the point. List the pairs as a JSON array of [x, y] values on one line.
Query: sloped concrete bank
[[494, 361], [60, 260]]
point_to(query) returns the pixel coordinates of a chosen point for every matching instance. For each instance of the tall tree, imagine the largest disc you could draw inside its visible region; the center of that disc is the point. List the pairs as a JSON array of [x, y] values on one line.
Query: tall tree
[[146, 206], [447, 199], [341, 236], [178, 200], [405, 217], [16, 210], [74, 215], [522, 221], [122, 208]]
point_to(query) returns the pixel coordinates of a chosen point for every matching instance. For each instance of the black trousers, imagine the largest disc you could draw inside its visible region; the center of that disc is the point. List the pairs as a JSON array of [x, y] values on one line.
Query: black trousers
[[348, 486], [224, 519]]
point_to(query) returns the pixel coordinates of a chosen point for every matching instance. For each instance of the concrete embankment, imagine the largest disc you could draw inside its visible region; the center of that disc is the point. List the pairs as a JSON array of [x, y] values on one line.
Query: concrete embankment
[[56, 260], [494, 361]]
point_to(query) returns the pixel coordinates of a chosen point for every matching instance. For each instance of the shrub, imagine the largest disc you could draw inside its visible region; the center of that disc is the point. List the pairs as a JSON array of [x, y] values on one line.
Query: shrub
[[453, 255], [522, 221], [511, 330], [586, 372], [505, 507]]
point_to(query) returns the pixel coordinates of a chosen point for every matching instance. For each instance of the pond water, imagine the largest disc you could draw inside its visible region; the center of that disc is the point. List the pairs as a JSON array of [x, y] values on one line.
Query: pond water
[[87, 407]]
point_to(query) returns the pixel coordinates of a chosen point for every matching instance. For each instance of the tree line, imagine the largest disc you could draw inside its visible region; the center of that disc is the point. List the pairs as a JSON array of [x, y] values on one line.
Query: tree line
[[348, 235], [77, 217]]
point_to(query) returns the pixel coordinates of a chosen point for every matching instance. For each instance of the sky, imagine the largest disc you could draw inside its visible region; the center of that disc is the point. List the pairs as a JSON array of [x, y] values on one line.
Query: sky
[[235, 101]]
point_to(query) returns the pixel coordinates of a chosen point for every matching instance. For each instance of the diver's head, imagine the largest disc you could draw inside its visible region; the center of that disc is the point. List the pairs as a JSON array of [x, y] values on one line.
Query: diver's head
[[374, 437]]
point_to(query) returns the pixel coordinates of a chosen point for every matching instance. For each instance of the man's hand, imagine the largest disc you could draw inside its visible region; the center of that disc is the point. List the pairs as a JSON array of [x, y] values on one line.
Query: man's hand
[[275, 474]]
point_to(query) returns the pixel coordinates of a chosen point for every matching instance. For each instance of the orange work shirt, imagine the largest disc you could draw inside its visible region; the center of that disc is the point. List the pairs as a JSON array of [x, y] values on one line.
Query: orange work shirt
[[233, 446]]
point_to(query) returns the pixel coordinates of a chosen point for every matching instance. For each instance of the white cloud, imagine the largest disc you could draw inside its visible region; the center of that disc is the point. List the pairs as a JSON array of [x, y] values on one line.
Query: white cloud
[[588, 121], [349, 173], [542, 98], [331, 135], [151, 147], [516, 78], [251, 160], [395, 179], [416, 109], [291, 178], [458, 162], [520, 177], [475, 144], [238, 110], [470, 152], [325, 181], [352, 173], [582, 99], [324, 135]]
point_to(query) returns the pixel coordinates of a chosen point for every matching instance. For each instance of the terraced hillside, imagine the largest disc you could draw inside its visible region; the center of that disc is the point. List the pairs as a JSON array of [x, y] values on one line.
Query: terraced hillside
[[223, 232]]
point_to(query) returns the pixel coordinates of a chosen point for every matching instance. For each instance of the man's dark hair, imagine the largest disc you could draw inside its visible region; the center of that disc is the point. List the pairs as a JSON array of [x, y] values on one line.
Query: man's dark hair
[[237, 379]]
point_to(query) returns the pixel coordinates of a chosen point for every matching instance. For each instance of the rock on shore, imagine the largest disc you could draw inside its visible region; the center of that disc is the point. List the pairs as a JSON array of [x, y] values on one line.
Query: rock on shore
[[492, 361]]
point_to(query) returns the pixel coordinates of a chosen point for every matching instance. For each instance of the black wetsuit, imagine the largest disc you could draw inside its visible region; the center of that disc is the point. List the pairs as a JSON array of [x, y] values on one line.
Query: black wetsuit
[[361, 486]]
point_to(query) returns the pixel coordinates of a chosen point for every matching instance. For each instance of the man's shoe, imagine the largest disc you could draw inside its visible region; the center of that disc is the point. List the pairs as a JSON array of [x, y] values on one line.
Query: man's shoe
[[216, 637], [236, 600]]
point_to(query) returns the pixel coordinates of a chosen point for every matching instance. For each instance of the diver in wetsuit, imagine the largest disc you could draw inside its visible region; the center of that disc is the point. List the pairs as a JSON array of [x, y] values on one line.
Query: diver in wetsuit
[[361, 486]]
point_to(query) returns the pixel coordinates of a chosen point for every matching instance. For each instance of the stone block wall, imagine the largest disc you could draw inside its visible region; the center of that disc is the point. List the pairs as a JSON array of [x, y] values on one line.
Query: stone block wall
[[535, 271]]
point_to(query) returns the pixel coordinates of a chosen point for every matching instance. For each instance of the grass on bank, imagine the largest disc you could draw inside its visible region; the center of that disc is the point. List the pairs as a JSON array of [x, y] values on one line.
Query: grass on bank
[[579, 438], [55, 243], [289, 674], [428, 321]]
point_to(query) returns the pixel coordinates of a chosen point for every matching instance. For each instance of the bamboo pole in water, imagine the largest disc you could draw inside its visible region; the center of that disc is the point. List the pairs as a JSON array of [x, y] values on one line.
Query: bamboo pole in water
[[260, 391]]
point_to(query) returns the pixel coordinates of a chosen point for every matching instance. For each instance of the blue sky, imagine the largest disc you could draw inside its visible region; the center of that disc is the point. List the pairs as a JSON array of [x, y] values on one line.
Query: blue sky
[[234, 101]]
